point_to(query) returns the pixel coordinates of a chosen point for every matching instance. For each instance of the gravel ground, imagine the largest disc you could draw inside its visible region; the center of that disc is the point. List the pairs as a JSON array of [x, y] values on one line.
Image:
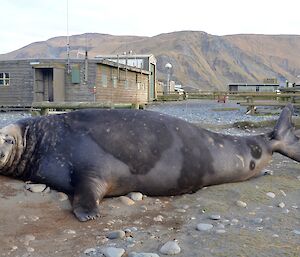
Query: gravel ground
[[202, 112], [208, 112], [259, 217]]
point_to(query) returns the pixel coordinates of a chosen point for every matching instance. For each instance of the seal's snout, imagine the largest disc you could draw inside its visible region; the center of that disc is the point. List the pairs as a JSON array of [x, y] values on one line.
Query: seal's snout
[[7, 144], [9, 141]]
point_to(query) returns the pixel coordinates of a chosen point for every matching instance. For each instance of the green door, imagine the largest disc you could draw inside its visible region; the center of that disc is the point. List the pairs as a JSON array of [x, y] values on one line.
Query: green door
[[152, 82]]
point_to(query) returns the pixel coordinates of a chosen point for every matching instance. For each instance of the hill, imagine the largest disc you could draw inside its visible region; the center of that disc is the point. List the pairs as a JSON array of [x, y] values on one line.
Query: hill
[[199, 59]]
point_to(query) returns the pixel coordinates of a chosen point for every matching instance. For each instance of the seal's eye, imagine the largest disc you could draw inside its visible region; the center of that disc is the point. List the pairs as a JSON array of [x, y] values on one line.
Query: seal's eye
[[9, 141]]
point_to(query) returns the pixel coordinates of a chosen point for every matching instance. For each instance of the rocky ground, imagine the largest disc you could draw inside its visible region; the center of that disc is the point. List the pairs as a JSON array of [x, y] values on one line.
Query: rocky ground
[[259, 217]]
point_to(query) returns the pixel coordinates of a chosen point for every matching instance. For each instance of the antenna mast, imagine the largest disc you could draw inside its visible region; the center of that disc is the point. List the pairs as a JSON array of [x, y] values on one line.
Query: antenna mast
[[68, 40]]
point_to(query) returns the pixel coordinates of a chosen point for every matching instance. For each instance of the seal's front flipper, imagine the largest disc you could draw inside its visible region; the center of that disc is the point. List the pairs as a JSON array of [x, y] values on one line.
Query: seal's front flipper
[[88, 192]]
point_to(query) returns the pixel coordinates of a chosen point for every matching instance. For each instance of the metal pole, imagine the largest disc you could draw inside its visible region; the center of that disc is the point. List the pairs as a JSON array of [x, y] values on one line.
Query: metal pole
[[68, 40], [86, 66], [118, 67], [168, 82]]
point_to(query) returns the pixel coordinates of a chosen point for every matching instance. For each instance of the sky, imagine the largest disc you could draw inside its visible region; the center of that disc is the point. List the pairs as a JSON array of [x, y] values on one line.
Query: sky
[[27, 21]]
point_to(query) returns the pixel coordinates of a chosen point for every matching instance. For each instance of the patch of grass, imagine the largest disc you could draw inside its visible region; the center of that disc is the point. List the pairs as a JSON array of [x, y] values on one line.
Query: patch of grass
[[266, 114], [225, 109], [251, 124]]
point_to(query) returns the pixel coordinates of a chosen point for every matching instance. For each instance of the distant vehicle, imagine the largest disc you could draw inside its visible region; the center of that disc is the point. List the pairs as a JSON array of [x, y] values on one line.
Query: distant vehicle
[[180, 91]]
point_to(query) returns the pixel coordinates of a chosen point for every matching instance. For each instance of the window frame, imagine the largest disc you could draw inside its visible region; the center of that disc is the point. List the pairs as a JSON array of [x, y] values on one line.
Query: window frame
[[5, 79]]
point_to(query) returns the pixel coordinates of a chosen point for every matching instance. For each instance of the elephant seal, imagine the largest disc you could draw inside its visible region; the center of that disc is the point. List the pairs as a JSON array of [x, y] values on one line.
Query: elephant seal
[[95, 153]]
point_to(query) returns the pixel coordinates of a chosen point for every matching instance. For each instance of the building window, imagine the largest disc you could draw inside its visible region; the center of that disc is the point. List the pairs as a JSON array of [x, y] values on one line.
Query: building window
[[126, 84], [75, 74], [104, 77], [4, 79], [115, 81]]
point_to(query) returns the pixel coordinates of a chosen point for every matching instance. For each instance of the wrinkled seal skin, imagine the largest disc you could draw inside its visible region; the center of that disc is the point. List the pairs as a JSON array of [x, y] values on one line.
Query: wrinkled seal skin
[[95, 153]]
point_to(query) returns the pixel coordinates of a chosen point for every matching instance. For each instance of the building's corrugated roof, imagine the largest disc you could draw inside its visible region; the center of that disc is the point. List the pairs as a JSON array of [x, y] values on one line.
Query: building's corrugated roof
[[124, 56], [39, 62], [253, 84]]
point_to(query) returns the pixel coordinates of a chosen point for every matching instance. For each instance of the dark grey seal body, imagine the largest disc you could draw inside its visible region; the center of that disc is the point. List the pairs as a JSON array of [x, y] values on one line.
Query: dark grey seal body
[[95, 153]]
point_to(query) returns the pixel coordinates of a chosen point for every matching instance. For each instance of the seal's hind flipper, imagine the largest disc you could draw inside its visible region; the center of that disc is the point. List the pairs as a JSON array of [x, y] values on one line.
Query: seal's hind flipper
[[88, 192], [285, 139], [284, 122]]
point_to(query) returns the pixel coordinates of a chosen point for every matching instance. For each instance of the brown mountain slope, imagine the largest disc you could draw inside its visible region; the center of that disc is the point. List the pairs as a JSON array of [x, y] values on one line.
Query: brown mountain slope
[[281, 53], [199, 59]]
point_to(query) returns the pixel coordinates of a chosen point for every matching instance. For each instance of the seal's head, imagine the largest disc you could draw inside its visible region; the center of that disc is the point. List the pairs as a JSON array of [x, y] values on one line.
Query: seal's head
[[11, 146], [7, 144]]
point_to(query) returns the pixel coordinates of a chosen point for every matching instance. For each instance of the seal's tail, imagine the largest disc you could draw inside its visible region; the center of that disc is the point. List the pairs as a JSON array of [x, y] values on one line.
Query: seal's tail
[[285, 139]]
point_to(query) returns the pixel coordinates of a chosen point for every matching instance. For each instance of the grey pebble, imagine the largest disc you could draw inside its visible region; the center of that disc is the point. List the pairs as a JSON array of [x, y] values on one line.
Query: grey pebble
[[204, 227], [227, 222], [30, 249], [215, 217], [126, 200], [22, 217], [285, 211], [136, 196], [130, 239], [271, 194], [134, 254], [33, 218], [281, 205], [241, 204], [113, 252], [131, 229], [35, 188], [47, 190], [70, 231], [181, 210], [116, 234], [158, 218], [62, 196], [28, 238], [234, 221], [144, 208], [268, 172], [297, 232], [170, 248], [90, 251], [283, 193], [258, 220], [220, 231], [259, 229], [220, 226], [14, 248]]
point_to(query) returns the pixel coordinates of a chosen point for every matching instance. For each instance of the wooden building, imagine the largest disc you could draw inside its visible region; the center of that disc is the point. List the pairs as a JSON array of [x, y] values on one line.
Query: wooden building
[[253, 87], [56, 80], [141, 61]]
